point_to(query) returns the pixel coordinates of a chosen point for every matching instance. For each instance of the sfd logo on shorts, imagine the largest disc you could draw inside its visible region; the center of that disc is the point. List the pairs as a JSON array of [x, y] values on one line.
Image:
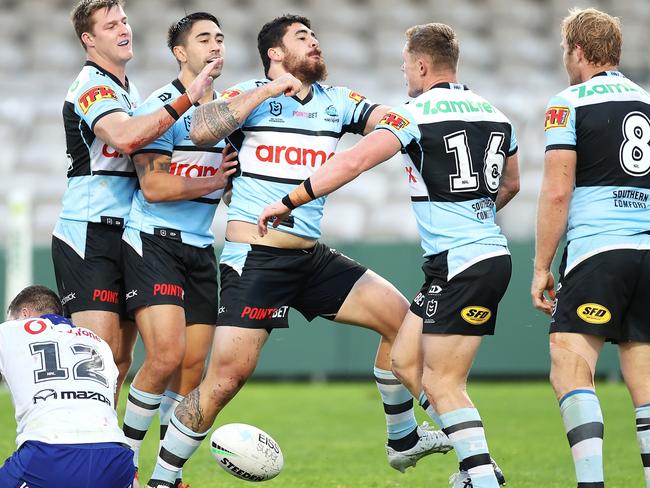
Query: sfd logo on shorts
[[475, 314], [594, 313]]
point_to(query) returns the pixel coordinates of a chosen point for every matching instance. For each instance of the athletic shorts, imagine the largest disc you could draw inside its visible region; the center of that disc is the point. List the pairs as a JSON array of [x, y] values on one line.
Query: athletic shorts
[[465, 305], [170, 272], [260, 283], [605, 295], [40, 465], [94, 282]]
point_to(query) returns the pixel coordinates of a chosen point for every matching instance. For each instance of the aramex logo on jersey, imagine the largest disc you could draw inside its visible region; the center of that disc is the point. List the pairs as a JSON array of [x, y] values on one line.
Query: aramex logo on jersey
[[556, 117], [291, 155], [357, 97], [395, 121], [594, 313], [95, 94]]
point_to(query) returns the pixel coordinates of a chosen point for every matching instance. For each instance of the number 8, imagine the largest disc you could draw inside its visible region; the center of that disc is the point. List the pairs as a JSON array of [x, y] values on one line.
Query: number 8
[[635, 149]]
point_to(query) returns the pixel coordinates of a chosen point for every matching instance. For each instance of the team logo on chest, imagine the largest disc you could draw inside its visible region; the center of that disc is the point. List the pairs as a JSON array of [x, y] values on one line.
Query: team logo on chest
[[276, 108]]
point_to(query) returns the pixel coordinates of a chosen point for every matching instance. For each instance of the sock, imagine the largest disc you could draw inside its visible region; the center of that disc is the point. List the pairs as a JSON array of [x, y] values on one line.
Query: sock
[[141, 408], [179, 444], [583, 422], [167, 405], [643, 437], [465, 431], [398, 407], [424, 403]]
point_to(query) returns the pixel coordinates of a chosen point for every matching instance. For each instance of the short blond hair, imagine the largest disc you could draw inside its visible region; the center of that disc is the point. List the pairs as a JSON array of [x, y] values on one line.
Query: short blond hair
[[438, 41], [82, 12], [597, 33]]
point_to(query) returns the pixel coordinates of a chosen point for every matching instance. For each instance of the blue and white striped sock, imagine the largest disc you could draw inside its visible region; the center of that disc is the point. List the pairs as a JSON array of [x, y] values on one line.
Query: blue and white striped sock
[[465, 431], [642, 414], [179, 444], [141, 408], [168, 404], [583, 422], [428, 408], [401, 425]]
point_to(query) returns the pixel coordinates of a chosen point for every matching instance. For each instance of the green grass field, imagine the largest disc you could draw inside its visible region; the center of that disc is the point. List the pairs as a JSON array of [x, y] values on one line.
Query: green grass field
[[332, 435]]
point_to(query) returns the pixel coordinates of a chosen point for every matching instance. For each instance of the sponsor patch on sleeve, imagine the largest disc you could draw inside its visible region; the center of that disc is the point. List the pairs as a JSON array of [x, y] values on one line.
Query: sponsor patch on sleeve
[[393, 120], [357, 97], [556, 117], [230, 94], [94, 95]]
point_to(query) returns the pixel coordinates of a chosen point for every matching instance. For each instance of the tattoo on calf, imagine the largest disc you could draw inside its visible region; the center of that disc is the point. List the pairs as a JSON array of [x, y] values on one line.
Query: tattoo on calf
[[189, 412]]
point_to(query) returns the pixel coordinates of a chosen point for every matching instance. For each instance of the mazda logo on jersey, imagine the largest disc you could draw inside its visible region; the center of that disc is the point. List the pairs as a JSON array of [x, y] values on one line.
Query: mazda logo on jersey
[[594, 313], [276, 108], [44, 395], [475, 314]]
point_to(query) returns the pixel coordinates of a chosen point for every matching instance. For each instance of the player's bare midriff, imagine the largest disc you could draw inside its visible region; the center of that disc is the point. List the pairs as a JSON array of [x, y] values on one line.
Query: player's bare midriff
[[239, 231]]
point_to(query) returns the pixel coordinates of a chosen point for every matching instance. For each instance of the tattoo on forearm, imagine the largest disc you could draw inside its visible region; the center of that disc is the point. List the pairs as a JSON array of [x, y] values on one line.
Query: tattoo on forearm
[[151, 163], [217, 118], [189, 412], [159, 166]]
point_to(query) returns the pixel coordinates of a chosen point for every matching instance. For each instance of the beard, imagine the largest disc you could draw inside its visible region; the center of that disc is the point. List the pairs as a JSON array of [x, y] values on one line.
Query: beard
[[305, 69]]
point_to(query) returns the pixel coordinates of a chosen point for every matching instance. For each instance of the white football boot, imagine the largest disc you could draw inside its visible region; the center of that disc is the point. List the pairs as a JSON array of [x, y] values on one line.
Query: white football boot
[[430, 441], [461, 479]]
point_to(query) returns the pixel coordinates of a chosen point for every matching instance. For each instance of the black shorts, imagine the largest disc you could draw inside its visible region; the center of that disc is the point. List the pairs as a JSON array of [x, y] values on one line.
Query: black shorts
[[465, 305], [605, 295], [170, 272], [96, 281], [257, 292]]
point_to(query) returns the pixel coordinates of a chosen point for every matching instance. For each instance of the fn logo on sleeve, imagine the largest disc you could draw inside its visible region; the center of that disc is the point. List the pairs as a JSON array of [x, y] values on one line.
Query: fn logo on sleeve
[[556, 117]]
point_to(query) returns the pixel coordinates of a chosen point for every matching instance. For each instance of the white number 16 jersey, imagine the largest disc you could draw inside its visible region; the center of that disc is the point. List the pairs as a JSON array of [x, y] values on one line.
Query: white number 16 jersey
[[62, 379]]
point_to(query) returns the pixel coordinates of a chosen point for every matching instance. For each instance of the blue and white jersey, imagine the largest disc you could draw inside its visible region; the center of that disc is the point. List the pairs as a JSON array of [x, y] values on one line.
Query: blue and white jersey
[[283, 142], [62, 380], [188, 221], [455, 145], [101, 180], [606, 120]]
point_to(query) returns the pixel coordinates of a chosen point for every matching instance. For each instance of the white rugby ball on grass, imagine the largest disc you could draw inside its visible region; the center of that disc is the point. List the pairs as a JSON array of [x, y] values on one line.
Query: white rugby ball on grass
[[246, 452]]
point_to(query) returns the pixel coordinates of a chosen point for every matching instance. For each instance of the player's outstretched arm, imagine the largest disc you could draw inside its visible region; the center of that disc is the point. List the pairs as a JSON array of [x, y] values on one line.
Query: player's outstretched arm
[[128, 134], [552, 215], [509, 184], [158, 185], [215, 120], [345, 166], [375, 116]]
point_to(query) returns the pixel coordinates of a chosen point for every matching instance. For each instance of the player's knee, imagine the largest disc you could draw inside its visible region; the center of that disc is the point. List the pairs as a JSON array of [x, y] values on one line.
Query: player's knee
[[165, 363], [570, 369], [405, 371]]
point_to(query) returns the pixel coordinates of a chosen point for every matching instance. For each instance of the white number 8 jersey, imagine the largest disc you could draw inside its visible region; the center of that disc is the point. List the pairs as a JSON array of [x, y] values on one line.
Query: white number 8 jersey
[[62, 379]]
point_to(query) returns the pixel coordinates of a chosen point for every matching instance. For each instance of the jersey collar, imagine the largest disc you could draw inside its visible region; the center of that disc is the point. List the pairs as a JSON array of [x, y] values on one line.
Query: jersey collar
[[110, 75], [449, 86], [57, 319], [307, 99], [609, 73]]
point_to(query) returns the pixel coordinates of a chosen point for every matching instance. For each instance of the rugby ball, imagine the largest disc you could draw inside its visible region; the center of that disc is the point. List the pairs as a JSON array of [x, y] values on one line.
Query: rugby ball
[[246, 452]]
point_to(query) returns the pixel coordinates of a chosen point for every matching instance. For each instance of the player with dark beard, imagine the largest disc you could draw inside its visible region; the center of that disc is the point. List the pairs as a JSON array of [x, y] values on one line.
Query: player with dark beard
[[280, 144]]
